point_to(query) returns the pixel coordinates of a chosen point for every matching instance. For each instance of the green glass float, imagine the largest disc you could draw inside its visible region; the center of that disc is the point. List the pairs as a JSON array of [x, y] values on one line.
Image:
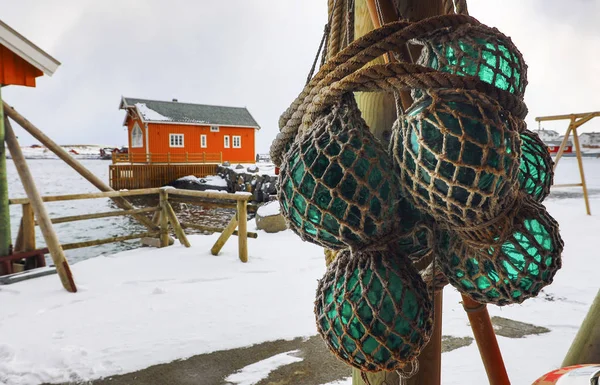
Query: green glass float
[[537, 168], [512, 270], [477, 51], [457, 157], [373, 310], [335, 186]]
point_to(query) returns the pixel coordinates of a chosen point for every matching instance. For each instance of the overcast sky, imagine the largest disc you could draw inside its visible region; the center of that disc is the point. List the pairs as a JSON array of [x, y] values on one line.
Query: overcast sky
[[253, 53]]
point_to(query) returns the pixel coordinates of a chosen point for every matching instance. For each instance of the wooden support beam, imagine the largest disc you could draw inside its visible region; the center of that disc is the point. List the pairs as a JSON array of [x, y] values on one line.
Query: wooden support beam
[[164, 218], [177, 226], [96, 242], [585, 348], [224, 236], [243, 231], [107, 214], [211, 195], [484, 334], [5, 235], [56, 251], [566, 117], [581, 173], [73, 197], [77, 166], [211, 229]]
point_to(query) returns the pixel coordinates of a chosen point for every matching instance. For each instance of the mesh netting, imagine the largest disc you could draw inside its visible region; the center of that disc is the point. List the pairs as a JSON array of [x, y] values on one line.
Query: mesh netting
[[537, 172], [373, 310], [457, 156], [476, 51], [513, 269], [335, 188]]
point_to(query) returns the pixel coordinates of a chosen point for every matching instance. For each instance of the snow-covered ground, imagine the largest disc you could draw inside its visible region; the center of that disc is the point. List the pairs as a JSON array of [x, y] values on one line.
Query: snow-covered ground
[[148, 306]]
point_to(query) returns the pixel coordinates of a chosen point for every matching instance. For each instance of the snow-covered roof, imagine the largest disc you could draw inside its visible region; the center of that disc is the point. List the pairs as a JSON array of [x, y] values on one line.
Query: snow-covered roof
[[188, 113], [28, 51]]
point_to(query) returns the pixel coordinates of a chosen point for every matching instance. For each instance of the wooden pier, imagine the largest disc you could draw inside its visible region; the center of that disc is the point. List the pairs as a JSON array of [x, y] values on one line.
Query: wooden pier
[[138, 171]]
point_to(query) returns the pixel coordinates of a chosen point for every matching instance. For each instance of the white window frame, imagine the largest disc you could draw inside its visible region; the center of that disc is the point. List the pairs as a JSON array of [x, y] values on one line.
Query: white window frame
[[203, 141], [137, 141], [174, 143], [239, 140], [214, 128], [226, 141]]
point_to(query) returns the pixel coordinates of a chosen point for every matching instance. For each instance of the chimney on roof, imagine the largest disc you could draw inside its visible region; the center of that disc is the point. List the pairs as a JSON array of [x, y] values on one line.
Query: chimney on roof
[[175, 100]]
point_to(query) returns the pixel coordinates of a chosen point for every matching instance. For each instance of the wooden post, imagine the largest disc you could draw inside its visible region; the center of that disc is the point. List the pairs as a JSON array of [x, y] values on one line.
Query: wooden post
[[580, 163], [62, 154], [28, 228], [242, 230], [56, 251], [224, 236], [164, 218], [585, 348], [484, 334], [177, 226], [5, 236]]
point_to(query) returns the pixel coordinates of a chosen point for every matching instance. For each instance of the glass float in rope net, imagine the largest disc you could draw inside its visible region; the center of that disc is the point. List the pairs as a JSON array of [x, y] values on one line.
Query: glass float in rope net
[[457, 156], [335, 184], [373, 310], [513, 269], [536, 169], [478, 51]]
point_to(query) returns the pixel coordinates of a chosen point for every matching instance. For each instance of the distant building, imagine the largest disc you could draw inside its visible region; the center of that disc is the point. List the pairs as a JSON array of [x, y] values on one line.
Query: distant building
[[590, 139], [554, 145], [163, 132]]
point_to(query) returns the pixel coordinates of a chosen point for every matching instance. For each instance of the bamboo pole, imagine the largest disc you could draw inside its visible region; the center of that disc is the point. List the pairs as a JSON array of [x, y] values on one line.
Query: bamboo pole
[[224, 236], [56, 251], [62, 154], [177, 226], [211, 229], [585, 348], [5, 236], [243, 231], [164, 218], [484, 334]]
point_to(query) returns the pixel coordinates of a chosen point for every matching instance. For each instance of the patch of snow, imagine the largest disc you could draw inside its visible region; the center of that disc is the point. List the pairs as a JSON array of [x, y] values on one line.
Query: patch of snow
[[269, 209], [345, 381], [212, 180], [254, 373], [265, 168], [133, 310], [151, 115]]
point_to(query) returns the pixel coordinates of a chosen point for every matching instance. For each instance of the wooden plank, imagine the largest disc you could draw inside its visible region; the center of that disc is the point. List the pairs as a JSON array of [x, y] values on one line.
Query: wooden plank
[[28, 228], [107, 214], [585, 348], [568, 185], [96, 242], [214, 229], [5, 234], [581, 173], [243, 231], [566, 117], [177, 226], [72, 197], [56, 251], [211, 195], [224, 236]]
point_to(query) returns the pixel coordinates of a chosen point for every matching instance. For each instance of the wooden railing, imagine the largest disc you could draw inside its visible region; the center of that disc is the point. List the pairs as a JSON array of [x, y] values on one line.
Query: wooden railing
[[157, 235], [168, 158]]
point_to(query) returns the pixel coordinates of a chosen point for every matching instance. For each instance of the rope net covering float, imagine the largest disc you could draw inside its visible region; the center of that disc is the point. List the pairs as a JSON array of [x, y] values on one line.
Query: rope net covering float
[[373, 310], [454, 198], [335, 186], [516, 267]]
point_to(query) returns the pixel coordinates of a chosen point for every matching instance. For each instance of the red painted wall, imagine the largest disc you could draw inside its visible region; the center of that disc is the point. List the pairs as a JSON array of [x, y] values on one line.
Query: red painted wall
[[130, 124], [15, 70]]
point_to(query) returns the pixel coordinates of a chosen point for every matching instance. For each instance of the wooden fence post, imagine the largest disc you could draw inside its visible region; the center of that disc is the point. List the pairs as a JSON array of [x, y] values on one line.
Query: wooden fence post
[[225, 235], [164, 218], [177, 226], [243, 230], [56, 251], [5, 235], [585, 348]]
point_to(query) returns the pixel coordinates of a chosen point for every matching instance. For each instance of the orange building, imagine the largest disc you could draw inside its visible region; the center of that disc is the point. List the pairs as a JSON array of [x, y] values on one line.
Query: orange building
[[174, 132]]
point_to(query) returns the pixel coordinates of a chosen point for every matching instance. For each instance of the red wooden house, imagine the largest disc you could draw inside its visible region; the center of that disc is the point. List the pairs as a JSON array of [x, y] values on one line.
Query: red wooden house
[[554, 146], [174, 132]]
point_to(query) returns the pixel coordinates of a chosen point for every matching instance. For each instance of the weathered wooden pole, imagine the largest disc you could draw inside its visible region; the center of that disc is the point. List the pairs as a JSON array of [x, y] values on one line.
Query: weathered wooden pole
[[62, 154], [5, 236], [585, 348], [56, 251]]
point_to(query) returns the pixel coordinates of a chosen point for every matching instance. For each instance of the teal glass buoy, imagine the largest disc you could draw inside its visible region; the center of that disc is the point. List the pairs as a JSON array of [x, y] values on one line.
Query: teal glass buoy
[[537, 168], [457, 157], [335, 186], [476, 51], [512, 270], [373, 310]]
